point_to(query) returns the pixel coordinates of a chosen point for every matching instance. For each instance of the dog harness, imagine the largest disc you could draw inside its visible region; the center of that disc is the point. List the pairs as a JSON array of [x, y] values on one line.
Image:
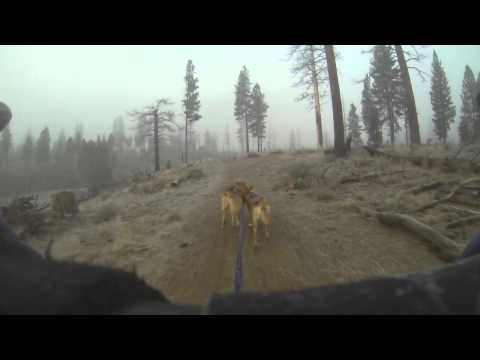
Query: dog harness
[[253, 198]]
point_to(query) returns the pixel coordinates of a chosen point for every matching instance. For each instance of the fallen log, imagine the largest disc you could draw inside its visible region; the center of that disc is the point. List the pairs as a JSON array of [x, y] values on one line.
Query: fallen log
[[467, 220], [446, 248], [463, 200], [425, 187], [448, 197], [325, 171], [467, 211], [175, 183], [368, 176], [447, 163]]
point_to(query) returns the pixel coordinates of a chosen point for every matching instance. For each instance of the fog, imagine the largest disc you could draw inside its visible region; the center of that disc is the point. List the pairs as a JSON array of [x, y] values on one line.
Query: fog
[[62, 86]]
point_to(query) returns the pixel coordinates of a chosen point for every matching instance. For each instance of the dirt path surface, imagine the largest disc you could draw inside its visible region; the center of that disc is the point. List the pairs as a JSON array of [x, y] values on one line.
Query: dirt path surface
[[311, 244], [173, 237]]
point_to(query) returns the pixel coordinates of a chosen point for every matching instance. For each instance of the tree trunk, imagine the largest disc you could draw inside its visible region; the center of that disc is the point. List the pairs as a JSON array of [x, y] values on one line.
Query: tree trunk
[[246, 132], [392, 124], [407, 132], [339, 132], [318, 119], [316, 92], [186, 140], [412, 115], [155, 141]]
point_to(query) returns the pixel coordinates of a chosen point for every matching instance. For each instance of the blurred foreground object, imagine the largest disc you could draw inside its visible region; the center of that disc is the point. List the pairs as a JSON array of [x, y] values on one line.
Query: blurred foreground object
[[5, 115]]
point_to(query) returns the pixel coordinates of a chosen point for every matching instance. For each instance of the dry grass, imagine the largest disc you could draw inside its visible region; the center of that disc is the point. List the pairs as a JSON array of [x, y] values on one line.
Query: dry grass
[[173, 218], [325, 196], [348, 204], [105, 213], [305, 151], [300, 169], [194, 174], [106, 195]]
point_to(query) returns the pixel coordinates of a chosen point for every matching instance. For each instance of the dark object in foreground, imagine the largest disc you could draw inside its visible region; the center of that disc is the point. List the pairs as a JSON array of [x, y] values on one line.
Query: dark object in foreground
[[5, 115], [473, 247], [31, 284]]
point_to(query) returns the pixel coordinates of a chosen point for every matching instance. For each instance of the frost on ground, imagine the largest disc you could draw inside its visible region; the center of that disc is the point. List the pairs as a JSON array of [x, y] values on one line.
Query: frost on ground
[[322, 229]]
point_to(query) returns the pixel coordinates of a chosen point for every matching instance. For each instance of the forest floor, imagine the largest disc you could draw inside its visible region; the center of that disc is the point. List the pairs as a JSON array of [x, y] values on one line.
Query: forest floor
[[321, 233]]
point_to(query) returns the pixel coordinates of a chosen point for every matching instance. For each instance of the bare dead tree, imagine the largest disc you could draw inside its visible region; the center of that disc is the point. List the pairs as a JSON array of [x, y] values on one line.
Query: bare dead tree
[[154, 122], [311, 69]]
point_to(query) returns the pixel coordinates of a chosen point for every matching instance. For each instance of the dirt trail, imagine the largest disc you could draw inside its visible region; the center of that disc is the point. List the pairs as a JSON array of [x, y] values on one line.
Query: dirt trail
[[312, 243]]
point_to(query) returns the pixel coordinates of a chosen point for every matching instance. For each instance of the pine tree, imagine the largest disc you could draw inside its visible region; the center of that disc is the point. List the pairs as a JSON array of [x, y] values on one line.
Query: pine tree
[[119, 137], [370, 116], [227, 139], [207, 140], [441, 100], [241, 135], [42, 150], [69, 164], [27, 150], [354, 129], [291, 141], [59, 147], [78, 135], [191, 103], [243, 105], [476, 107], [387, 88], [465, 129], [298, 141], [258, 115], [6, 146], [98, 173]]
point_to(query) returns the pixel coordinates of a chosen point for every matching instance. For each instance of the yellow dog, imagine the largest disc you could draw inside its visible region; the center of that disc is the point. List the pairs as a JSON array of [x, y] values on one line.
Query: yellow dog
[[232, 200], [260, 212]]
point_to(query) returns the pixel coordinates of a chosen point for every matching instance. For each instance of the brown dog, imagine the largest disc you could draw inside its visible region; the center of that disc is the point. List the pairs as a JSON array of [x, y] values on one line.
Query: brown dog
[[231, 201], [243, 189], [260, 212]]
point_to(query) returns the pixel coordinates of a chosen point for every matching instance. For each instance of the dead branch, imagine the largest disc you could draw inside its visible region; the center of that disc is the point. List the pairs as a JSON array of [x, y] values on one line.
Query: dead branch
[[463, 200], [467, 220], [425, 187], [368, 176], [467, 211], [475, 157], [375, 152], [446, 248], [418, 160], [458, 152], [325, 171], [447, 197]]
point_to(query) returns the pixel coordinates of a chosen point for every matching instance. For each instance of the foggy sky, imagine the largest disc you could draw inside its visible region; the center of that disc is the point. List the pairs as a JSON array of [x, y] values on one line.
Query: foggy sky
[[62, 86]]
